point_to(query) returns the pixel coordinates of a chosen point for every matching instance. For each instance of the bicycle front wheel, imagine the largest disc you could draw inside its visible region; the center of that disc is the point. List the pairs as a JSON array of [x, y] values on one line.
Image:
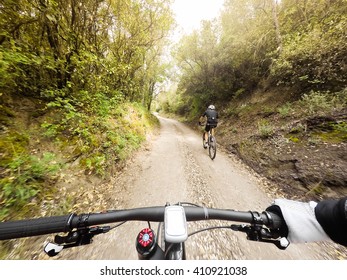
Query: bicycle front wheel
[[212, 149]]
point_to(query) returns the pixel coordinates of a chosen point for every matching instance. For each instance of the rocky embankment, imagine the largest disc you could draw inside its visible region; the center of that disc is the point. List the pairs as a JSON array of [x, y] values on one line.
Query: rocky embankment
[[306, 157]]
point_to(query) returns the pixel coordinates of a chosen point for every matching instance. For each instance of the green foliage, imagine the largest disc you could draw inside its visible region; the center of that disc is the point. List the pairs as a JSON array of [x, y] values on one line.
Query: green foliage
[[332, 132], [99, 140], [239, 92], [265, 129], [341, 127], [23, 182], [314, 46], [299, 128], [322, 102], [227, 58], [294, 139], [56, 48], [314, 140], [256, 43], [315, 103], [285, 110], [107, 136], [95, 163]]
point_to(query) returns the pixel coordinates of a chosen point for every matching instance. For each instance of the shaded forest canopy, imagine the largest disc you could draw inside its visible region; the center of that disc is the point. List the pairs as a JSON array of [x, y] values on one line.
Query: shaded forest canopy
[[74, 50]]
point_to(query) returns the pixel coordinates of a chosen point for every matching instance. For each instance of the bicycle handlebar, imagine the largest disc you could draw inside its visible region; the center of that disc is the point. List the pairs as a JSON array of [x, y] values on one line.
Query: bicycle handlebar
[[34, 227], [57, 224]]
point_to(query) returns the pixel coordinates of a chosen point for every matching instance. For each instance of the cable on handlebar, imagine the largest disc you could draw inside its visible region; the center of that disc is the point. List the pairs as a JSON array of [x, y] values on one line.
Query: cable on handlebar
[[209, 228], [118, 225]]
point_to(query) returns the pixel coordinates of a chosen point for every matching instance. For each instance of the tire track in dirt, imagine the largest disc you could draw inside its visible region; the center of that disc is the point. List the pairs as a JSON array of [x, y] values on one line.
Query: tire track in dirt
[[218, 244]]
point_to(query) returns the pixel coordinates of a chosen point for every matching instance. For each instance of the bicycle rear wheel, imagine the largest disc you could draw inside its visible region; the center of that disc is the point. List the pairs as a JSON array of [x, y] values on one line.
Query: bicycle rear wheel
[[212, 148]]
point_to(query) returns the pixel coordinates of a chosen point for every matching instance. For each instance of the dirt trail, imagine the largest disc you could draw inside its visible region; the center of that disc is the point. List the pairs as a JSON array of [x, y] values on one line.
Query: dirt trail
[[175, 168]]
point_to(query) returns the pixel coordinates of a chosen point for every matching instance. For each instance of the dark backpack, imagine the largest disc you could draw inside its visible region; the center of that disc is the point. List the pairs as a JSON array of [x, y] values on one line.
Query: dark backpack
[[212, 117]]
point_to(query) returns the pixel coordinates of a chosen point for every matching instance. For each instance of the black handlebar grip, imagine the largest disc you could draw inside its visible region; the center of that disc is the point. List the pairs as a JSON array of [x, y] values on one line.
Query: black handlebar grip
[[33, 227], [277, 221]]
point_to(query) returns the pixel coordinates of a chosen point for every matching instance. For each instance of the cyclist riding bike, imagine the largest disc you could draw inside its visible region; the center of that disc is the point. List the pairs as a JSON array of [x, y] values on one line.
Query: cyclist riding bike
[[211, 117]]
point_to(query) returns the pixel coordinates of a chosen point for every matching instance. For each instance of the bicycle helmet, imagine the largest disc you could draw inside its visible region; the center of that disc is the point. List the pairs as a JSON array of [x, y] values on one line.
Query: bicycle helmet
[[211, 107]]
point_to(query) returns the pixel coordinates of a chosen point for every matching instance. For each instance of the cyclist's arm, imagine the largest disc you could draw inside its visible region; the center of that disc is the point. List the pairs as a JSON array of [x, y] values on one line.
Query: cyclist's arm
[[311, 221], [332, 216], [202, 118], [300, 222]]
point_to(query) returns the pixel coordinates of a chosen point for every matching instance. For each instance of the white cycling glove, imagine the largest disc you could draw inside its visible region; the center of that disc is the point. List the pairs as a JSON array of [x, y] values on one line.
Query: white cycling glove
[[301, 221]]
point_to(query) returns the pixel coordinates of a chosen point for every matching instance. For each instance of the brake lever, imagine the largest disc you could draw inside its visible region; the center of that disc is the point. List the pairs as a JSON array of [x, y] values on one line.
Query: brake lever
[[76, 238], [261, 234]]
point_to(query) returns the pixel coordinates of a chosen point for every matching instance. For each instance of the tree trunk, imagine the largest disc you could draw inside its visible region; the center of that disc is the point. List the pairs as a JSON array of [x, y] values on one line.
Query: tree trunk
[[277, 25]]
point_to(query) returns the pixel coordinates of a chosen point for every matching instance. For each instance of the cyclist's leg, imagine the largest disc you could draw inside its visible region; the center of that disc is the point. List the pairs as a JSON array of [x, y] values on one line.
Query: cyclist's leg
[[207, 129], [205, 137], [203, 140], [213, 130]]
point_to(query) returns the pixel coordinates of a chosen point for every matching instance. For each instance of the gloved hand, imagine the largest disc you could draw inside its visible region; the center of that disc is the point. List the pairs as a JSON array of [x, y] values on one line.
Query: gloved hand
[[301, 224]]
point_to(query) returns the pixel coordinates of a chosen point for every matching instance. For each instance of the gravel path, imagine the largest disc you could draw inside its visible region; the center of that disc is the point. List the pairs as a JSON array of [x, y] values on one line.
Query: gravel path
[[174, 168]]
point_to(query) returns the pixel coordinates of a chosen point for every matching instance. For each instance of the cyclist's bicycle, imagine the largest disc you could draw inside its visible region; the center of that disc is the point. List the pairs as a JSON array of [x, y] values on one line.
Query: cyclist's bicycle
[[211, 143], [172, 228]]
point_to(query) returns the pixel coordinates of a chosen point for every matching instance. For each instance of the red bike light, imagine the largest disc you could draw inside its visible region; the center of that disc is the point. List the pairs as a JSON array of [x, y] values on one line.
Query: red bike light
[[145, 238], [145, 242]]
